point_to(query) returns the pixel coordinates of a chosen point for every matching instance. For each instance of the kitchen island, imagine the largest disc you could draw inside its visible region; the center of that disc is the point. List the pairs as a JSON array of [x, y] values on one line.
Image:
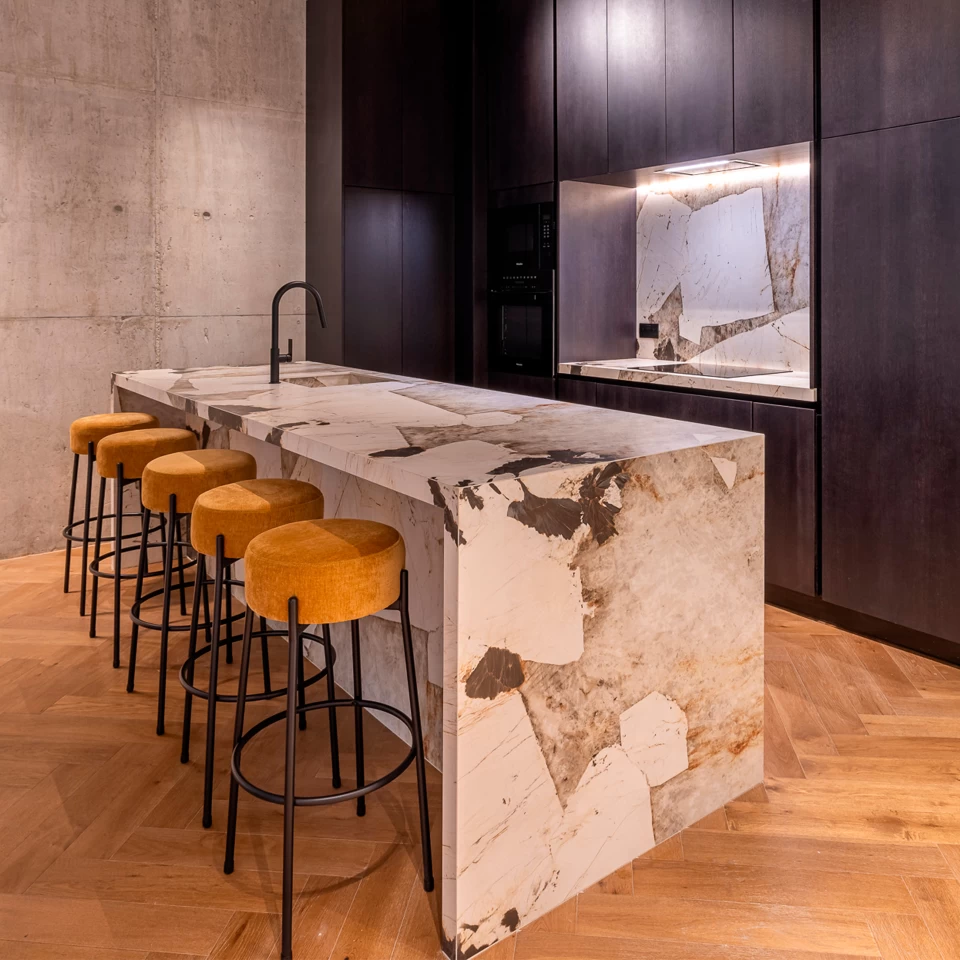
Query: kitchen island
[[587, 597]]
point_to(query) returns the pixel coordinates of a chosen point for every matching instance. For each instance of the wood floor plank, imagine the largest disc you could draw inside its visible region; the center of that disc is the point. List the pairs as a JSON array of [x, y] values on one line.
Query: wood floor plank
[[818, 854], [903, 938], [779, 757], [371, 927], [319, 915], [331, 857], [124, 926], [248, 936], [939, 904], [761, 926], [20, 950], [900, 726], [250, 891], [771, 883], [803, 723]]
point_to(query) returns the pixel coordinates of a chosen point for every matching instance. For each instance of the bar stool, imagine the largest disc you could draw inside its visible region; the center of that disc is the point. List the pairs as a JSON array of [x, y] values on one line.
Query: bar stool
[[324, 571], [171, 484], [85, 434], [122, 457], [223, 523]]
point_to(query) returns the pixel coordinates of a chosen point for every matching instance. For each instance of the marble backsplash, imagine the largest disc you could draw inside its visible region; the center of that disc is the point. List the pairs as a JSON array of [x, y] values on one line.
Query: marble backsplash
[[723, 267]]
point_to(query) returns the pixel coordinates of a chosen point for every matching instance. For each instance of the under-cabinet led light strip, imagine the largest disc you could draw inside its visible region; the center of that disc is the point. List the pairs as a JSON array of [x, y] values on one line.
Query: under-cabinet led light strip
[[741, 174]]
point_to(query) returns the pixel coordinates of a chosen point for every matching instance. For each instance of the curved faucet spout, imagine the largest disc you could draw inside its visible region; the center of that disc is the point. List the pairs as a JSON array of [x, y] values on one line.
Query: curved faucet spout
[[276, 358]]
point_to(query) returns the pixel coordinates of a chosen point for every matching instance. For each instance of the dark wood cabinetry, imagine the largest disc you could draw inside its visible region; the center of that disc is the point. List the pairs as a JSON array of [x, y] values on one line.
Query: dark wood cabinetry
[[372, 99], [790, 440], [675, 405], [699, 78], [372, 278], [888, 62], [636, 78], [581, 88], [576, 390], [427, 270], [519, 41], [773, 67], [890, 390], [429, 33]]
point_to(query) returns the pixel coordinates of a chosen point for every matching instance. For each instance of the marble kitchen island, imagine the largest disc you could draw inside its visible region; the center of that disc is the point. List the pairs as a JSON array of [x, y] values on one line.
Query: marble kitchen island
[[587, 593]]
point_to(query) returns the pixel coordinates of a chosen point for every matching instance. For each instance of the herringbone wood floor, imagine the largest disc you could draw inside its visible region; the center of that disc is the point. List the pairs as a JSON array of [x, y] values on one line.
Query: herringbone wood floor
[[851, 849]]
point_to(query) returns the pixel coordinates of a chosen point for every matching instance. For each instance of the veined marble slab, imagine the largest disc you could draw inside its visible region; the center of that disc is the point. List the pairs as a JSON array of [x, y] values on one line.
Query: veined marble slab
[[590, 581], [783, 386]]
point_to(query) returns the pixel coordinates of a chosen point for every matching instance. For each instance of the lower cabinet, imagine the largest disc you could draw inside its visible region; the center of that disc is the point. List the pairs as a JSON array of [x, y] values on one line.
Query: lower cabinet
[[791, 502], [791, 464], [716, 411], [523, 384], [577, 390]]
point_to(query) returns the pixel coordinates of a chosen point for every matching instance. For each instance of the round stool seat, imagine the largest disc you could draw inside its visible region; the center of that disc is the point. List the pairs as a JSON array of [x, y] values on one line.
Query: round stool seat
[[93, 429], [337, 569], [136, 448], [190, 473], [244, 510]]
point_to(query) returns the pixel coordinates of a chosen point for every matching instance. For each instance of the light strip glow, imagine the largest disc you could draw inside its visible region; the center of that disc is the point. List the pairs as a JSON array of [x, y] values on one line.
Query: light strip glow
[[724, 178], [710, 166]]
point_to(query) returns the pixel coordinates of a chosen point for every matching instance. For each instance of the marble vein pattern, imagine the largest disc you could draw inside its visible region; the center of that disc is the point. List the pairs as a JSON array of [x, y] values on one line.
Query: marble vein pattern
[[587, 594], [721, 261]]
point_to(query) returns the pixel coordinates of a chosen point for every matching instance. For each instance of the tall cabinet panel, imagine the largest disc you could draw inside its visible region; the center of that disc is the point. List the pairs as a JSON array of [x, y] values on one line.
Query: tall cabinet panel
[[519, 48], [772, 72], [428, 285], [428, 95], [699, 78], [636, 78], [888, 62], [372, 100], [890, 394], [581, 88], [372, 279]]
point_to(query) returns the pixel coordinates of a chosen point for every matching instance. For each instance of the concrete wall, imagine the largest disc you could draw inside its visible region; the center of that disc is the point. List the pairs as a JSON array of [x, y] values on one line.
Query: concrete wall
[[151, 201]]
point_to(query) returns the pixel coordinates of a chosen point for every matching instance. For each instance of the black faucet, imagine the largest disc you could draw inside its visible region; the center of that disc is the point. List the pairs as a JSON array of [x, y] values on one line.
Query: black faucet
[[276, 358]]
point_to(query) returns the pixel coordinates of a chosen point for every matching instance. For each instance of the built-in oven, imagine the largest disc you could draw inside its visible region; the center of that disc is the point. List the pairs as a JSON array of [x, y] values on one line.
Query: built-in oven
[[521, 266]]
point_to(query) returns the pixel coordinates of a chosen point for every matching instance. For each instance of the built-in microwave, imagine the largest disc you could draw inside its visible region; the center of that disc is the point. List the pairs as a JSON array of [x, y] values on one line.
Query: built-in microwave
[[521, 266]]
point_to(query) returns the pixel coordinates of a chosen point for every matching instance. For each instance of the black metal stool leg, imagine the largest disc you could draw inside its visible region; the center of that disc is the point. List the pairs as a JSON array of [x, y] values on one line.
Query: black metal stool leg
[[171, 530], [302, 690], [86, 530], [96, 557], [218, 577], [183, 589], [289, 780], [229, 641], [358, 713], [141, 572], [417, 730], [265, 656], [73, 504], [119, 484], [331, 695], [237, 734], [191, 653]]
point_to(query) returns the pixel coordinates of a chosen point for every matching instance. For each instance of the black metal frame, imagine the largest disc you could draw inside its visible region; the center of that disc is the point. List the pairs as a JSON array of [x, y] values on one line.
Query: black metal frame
[[171, 538], [117, 575], [288, 798], [222, 579], [84, 538]]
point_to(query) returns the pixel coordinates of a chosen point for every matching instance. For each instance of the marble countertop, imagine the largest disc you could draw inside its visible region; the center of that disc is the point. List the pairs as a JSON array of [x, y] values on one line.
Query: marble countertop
[[419, 437], [782, 386]]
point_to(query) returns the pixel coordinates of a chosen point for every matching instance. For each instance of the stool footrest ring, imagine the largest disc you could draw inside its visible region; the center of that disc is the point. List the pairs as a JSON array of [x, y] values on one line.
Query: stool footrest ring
[[95, 570], [173, 627], [251, 697], [330, 798], [68, 534]]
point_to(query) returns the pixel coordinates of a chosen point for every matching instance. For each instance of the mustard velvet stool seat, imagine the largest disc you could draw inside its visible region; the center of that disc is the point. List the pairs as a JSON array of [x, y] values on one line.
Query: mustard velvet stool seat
[[121, 457], [85, 434], [325, 571], [170, 485], [223, 523]]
